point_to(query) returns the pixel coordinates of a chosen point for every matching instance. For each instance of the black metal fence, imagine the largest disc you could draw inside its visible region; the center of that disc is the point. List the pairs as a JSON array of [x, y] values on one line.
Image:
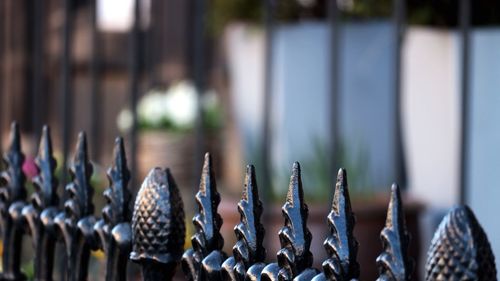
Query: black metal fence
[[153, 232], [198, 34]]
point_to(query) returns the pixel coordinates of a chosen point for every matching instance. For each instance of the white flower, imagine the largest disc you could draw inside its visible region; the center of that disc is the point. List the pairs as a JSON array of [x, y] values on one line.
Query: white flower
[[182, 104], [151, 108], [125, 120]]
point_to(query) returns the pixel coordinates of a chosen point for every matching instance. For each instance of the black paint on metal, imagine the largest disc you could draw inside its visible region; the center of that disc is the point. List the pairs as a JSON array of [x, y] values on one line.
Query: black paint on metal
[[153, 235], [199, 77], [38, 85], [65, 80], [95, 72], [394, 262], [464, 18], [334, 109], [460, 249], [269, 6], [134, 66], [399, 19]]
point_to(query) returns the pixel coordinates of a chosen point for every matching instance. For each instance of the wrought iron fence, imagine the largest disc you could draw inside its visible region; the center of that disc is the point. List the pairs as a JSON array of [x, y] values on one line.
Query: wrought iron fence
[[153, 233]]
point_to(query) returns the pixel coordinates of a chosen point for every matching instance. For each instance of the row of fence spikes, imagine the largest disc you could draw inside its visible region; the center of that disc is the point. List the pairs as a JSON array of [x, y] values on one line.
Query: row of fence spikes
[[155, 237]]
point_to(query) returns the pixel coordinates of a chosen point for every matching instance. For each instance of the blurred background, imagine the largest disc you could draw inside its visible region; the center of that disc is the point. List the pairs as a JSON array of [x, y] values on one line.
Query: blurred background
[[394, 91]]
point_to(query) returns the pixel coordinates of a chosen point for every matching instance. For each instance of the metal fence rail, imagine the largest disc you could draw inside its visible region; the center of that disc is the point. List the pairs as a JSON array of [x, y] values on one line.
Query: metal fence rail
[[153, 233]]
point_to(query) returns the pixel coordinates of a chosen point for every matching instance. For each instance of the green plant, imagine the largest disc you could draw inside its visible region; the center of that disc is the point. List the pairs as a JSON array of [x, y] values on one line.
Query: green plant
[[316, 173]]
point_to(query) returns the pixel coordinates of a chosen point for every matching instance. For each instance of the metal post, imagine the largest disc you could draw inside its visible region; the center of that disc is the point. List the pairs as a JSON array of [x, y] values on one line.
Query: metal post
[[134, 53], [199, 81], [399, 16], [464, 77], [334, 95], [95, 100], [38, 88], [267, 100], [66, 94], [3, 40]]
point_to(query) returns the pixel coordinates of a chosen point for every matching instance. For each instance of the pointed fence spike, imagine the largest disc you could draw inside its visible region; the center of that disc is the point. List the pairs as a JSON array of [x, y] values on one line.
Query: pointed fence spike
[[117, 194], [206, 254], [394, 262], [45, 182], [80, 190], [114, 230], [39, 215], [12, 196], [158, 226], [13, 179], [295, 238], [460, 249], [341, 245], [208, 222], [249, 249]]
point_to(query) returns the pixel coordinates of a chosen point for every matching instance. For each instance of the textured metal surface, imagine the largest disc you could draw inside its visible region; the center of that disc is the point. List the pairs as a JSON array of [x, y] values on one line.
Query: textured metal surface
[[75, 223], [40, 213], [114, 230], [460, 249], [295, 238], [340, 245], [248, 250], [158, 226], [12, 196], [204, 260], [394, 263], [155, 232]]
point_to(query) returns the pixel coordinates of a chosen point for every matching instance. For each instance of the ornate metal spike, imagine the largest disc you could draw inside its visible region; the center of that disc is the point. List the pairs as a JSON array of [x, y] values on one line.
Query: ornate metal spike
[[341, 245], [12, 196], [249, 232], [394, 262], [79, 190], [295, 238], [158, 226], [45, 182], [45, 200], [13, 179], [116, 215], [460, 249], [76, 223], [205, 258]]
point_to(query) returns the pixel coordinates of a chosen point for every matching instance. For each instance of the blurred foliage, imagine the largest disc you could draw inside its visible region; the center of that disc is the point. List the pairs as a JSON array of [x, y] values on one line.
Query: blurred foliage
[[222, 12], [442, 13], [316, 173], [28, 269]]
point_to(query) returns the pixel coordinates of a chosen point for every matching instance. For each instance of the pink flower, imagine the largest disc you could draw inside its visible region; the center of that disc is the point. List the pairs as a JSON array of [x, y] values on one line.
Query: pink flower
[[29, 167]]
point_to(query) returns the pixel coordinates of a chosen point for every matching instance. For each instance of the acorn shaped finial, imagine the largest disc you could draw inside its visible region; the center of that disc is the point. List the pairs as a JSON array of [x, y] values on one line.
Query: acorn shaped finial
[[460, 249], [158, 228]]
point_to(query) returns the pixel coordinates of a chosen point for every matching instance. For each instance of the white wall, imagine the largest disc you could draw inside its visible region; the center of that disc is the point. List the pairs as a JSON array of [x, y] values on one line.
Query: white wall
[[484, 133], [431, 115]]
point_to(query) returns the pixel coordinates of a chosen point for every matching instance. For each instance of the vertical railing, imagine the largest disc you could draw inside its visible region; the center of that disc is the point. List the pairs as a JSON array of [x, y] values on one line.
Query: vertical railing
[[464, 21], [399, 19], [38, 85], [95, 100], [199, 75], [66, 104], [134, 65], [267, 101], [334, 106]]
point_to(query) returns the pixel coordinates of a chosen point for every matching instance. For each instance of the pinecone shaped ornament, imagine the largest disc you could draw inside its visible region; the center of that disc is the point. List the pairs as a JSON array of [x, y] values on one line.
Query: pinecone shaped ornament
[[460, 249], [158, 220]]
